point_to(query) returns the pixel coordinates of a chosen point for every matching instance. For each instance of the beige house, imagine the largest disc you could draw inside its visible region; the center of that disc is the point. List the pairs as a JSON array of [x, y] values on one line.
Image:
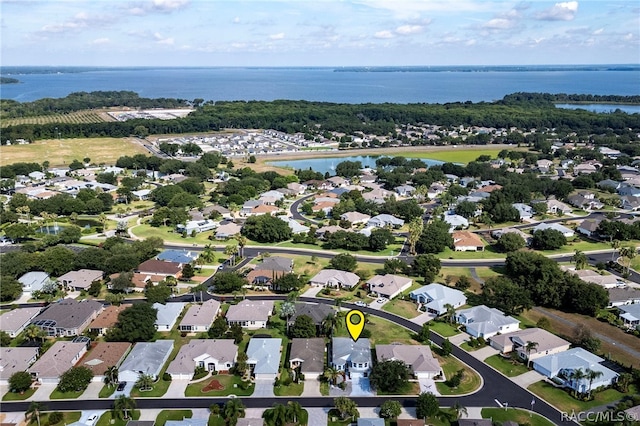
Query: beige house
[[389, 285], [13, 360], [200, 317], [211, 354], [14, 321], [107, 319], [104, 355], [80, 279], [547, 343], [58, 359], [251, 314], [418, 358]]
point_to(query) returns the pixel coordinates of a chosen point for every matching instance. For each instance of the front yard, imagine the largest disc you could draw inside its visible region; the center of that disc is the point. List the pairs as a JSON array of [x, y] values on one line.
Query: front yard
[[220, 385], [562, 400], [382, 332], [451, 365], [444, 329], [506, 366], [513, 414], [403, 308]]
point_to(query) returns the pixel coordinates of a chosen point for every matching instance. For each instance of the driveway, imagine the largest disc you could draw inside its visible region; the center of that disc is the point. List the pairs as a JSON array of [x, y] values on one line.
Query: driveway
[[177, 388], [84, 416], [360, 386], [527, 379], [428, 385], [376, 305], [263, 388], [43, 392], [484, 353], [313, 291], [92, 391], [127, 390], [318, 416], [311, 388], [422, 318]]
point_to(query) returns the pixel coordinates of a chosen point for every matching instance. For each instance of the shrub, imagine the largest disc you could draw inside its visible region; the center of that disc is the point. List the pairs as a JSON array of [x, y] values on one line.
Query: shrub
[[481, 341], [166, 377], [55, 417]]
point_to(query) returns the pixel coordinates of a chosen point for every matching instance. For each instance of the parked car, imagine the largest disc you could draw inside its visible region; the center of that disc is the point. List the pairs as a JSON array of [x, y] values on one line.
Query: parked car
[[92, 419], [361, 303], [121, 386]]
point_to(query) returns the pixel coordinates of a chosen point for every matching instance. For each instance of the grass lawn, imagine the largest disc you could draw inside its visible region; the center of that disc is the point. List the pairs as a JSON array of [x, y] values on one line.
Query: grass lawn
[[519, 416], [172, 415], [159, 388], [16, 396], [505, 366], [68, 417], [410, 388], [64, 151], [324, 388], [468, 348], [562, 400], [488, 253], [56, 394], [450, 365], [106, 391], [443, 329], [226, 380], [403, 308], [333, 419], [382, 331], [216, 420], [294, 389], [108, 419], [451, 155]]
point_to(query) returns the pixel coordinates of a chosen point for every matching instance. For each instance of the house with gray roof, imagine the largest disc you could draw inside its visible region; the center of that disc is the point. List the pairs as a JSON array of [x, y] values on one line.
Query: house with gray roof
[[524, 210], [417, 357], [145, 358], [385, 220], [588, 227], [455, 221], [34, 281], [355, 218], [251, 314], [555, 207], [335, 278], [199, 317], [178, 256], [351, 356], [295, 226], [13, 360], [318, 312], [68, 317], [81, 279], [59, 358], [373, 421], [568, 233], [630, 315], [560, 367], [485, 322], [546, 343], [167, 315], [434, 297], [619, 296], [228, 230], [264, 357], [388, 285], [405, 190], [309, 356], [213, 355], [14, 321]]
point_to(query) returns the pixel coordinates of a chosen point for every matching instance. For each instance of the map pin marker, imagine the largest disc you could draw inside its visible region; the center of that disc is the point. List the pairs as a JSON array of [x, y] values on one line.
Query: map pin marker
[[355, 323]]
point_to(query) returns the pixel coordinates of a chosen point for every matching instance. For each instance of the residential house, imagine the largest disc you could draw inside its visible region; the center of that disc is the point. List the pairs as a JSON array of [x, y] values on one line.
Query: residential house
[[34, 281], [545, 343], [335, 278], [455, 221], [308, 355], [14, 321], [351, 356], [500, 232], [81, 279], [318, 312], [630, 315], [14, 360], [251, 314], [627, 190], [434, 297], [167, 315], [330, 229], [263, 209], [56, 360], [272, 194], [107, 319], [385, 220], [140, 281], [585, 200], [264, 357], [249, 205], [418, 358], [584, 169], [159, 267], [568, 233], [199, 317], [68, 317], [270, 269], [619, 296], [378, 196], [489, 188], [485, 322], [467, 241], [590, 276], [145, 358], [405, 190], [556, 207], [178, 256], [388, 285], [104, 355], [630, 203], [588, 227], [610, 184], [560, 367], [524, 210], [435, 190], [196, 226], [295, 226], [298, 188], [355, 218], [213, 355], [544, 166], [228, 230], [142, 194]]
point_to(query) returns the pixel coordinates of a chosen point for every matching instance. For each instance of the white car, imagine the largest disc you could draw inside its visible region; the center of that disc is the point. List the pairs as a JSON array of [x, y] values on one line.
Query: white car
[[361, 303], [381, 300], [92, 419]]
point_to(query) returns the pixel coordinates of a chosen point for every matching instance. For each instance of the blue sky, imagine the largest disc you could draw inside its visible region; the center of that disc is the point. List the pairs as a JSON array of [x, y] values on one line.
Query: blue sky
[[318, 33]]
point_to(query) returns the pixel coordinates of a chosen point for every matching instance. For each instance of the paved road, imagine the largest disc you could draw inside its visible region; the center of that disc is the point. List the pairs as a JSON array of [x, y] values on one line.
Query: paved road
[[295, 210]]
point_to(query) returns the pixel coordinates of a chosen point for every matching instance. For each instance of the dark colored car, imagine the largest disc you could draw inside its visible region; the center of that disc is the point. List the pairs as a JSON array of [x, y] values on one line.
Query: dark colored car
[[121, 386]]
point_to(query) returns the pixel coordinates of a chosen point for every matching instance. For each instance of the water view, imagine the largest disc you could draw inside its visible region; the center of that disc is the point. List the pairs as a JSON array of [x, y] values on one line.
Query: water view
[[328, 164], [602, 108]]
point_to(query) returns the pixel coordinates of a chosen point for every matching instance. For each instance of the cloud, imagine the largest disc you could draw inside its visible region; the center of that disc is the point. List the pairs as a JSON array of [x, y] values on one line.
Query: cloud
[[564, 11], [506, 20], [278, 36], [409, 29], [236, 20], [499, 24], [78, 22], [384, 34], [156, 6], [598, 31], [163, 40], [100, 41]]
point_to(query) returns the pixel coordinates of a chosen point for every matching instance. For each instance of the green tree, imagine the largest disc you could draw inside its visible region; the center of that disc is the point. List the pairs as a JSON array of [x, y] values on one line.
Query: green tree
[[548, 239], [435, 238], [510, 241], [447, 347], [32, 332], [122, 283], [122, 405], [346, 407], [426, 266], [20, 381], [530, 346], [466, 209], [144, 382], [5, 339], [95, 288], [227, 282], [157, 293], [390, 409], [219, 328], [276, 415], [416, 226], [303, 327], [34, 410], [424, 335], [427, 405], [10, 288], [135, 324], [502, 293], [463, 283], [389, 376], [18, 231], [233, 410], [75, 379], [344, 262], [287, 283], [236, 332], [380, 238], [580, 259], [266, 229], [188, 272], [111, 376], [294, 411]]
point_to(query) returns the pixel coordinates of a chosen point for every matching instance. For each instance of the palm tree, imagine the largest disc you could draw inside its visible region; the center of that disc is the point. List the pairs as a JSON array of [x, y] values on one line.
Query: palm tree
[[111, 376], [208, 254], [233, 409], [33, 333], [580, 259], [591, 375], [294, 411], [629, 253], [242, 241], [329, 324], [287, 310], [144, 382], [576, 377], [231, 250], [615, 245], [276, 415], [332, 374], [415, 231], [102, 218], [530, 346], [459, 410], [451, 313], [35, 408], [122, 404]]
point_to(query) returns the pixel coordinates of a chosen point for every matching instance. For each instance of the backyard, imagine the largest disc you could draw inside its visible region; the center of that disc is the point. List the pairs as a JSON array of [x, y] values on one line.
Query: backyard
[[382, 332]]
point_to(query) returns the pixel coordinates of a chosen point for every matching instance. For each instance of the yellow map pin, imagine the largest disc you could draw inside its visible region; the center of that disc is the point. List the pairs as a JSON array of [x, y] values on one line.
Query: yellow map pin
[[355, 323]]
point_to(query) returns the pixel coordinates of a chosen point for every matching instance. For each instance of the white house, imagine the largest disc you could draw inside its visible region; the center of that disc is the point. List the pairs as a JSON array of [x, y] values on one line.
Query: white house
[[34, 281], [197, 226], [335, 278], [485, 322], [524, 210], [545, 343], [385, 220], [351, 356], [14, 321], [59, 358], [388, 285], [418, 357], [200, 317], [434, 297], [568, 233], [251, 314], [211, 354], [455, 221]]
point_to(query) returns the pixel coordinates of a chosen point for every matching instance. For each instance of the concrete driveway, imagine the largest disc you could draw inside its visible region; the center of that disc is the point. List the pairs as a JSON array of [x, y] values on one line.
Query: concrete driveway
[[311, 388], [318, 416], [177, 388], [428, 385], [422, 318], [376, 305], [484, 353], [126, 392], [360, 386], [263, 388], [527, 379], [84, 416]]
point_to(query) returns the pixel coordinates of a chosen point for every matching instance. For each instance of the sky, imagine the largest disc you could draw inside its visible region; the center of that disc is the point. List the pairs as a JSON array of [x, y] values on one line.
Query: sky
[[318, 32]]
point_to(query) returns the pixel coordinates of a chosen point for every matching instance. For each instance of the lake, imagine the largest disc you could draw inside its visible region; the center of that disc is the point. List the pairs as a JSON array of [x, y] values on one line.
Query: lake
[[328, 164]]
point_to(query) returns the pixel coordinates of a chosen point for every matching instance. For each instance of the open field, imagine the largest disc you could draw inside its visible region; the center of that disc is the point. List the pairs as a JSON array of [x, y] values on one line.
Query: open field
[[71, 118], [63, 152]]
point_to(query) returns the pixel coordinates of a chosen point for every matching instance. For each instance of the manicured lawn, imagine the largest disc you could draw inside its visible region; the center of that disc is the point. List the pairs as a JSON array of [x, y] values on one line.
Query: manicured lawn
[[562, 400], [226, 380], [450, 365], [403, 308], [324, 388], [506, 366], [56, 394], [519, 416], [172, 415], [16, 396], [216, 420], [64, 151], [108, 419], [106, 391], [488, 253], [159, 388], [382, 331], [294, 389], [443, 329], [68, 417], [410, 388], [333, 419], [468, 347]]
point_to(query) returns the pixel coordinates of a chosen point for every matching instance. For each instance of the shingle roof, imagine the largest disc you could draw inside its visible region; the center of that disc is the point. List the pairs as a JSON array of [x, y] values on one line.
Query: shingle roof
[[224, 351], [108, 317], [419, 358], [105, 355], [147, 357], [545, 340], [388, 284], [70, 313], [13, 360], [345, 278], [250, 310], [344, 348], [59, 358], [486, 320], [265, 354], [316, 311], [13, 320], [276, 263], [311, 352], [201, 315], [168, 314], [154, 266]]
